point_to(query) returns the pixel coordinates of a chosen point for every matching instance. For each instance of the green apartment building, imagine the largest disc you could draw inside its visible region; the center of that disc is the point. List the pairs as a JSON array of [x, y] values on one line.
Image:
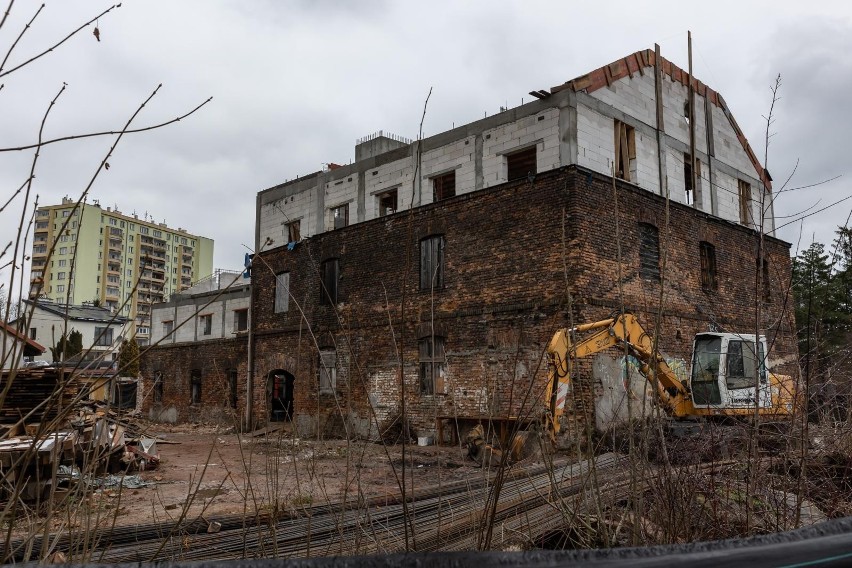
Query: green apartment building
[[87, 254]]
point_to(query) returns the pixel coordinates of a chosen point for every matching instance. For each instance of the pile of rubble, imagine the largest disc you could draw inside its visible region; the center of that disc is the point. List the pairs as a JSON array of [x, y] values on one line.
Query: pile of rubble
[[51, 438]]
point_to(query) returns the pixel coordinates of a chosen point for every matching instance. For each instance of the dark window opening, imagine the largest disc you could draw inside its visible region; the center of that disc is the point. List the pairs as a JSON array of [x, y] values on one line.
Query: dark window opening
[[521, 164], [158, 387], [649, 252], [387, 203], [745, 202], [433, 366], [693, 191], [232, 387], [340, 216], [206, 324], [33, 333], [328, 283], [294, 233], [708, 267], [444, 186], [240, 320], [432, 262], [625, 151], [195, 386]]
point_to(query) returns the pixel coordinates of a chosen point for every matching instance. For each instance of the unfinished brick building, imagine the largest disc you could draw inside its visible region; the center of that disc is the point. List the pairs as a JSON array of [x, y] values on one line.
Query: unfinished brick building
[[444, 267]]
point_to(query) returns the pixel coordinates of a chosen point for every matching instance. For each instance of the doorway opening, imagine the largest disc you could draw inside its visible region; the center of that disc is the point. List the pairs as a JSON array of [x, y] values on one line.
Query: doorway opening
[[280, 395]]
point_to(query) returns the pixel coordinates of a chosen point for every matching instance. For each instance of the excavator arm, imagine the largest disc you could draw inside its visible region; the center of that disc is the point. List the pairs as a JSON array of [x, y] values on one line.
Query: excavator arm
[[621, 330]]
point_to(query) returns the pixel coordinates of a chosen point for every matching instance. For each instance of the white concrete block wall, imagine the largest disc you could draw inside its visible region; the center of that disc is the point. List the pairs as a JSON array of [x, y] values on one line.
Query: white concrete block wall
[[458, 156], [595, 140], [275, 216], [676, 124], [231, 305], [223, 319], [497, 142], [632, 96], [728, 147], [397, 174], [727, 197], [187, 332], [339, 192]]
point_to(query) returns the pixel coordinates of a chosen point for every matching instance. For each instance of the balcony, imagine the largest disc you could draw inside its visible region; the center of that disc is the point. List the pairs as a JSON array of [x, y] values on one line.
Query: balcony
[[115, 245], [39, 251]]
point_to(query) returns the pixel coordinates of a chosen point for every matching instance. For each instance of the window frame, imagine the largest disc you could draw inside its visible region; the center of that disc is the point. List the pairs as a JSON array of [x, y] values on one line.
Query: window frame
[[443, 186], [516, 159], [240, 317], [195, 387], [168, 327], [327, 371], [339, 221], [104, 336], [709, 273], [649, 252], [384, 208], [625, 151], [329, 280], [206, 321], [745, 200], [432, 364], [294, 231], [432, 251], [281, 300]]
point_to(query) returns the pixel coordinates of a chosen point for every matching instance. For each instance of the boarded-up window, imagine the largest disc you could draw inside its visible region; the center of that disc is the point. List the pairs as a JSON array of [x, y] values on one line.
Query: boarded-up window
[[432, 262], [168, 327], [340, 216], [195, 386], [294, 231], [444, 186], [282, 292], [330, 274], [327, 371], [708, 266], [649, 252], [745, 202], [625, 151], [387, 202], [521, 164], [433, 365]]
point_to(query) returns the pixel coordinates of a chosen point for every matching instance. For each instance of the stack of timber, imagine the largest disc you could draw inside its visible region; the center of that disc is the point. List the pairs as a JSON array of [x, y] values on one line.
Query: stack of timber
[[44, 425], [37, 395]]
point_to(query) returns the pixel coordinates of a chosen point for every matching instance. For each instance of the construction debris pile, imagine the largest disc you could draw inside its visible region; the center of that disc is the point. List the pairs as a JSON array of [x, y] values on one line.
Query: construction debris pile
[[50, 438]]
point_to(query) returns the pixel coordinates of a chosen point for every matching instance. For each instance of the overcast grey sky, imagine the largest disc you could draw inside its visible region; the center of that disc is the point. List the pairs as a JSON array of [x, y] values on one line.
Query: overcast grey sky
[[295, 83]]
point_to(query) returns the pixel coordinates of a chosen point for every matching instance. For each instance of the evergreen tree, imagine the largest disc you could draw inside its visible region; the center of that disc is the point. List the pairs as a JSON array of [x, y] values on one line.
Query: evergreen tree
[[67, 346], [128, 358]]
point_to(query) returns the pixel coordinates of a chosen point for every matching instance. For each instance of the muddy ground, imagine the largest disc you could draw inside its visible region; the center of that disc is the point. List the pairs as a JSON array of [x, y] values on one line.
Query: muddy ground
[[205, 471]]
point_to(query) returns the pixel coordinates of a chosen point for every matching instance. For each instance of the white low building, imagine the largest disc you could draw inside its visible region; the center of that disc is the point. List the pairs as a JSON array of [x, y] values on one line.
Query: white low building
[[102, 330]]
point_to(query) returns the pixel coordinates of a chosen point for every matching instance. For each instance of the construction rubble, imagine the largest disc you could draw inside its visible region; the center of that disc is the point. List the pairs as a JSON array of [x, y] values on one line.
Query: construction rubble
[[51, 438]]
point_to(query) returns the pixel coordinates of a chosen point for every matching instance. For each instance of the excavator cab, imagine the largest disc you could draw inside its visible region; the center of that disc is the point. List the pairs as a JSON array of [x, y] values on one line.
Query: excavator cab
[[723, 371]]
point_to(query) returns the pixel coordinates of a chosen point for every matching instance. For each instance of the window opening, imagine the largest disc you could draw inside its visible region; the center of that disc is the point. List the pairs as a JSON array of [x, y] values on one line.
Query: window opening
[[444, 186], [625, 151], [432, 262]]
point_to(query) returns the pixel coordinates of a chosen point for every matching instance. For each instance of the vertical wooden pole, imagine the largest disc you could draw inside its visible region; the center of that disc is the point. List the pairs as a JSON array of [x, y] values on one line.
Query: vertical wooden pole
[[661, 128], [692, 124]]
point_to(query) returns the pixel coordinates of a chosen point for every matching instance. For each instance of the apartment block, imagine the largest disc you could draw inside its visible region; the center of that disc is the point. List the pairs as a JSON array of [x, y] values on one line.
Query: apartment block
[[87, 253]]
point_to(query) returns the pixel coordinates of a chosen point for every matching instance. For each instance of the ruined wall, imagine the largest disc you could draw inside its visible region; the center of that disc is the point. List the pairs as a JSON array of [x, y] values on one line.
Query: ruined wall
[[214, 359], [504, 296]]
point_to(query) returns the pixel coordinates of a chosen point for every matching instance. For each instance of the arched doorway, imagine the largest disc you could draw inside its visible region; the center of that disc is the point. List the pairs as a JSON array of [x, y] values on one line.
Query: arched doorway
[[279, 390]]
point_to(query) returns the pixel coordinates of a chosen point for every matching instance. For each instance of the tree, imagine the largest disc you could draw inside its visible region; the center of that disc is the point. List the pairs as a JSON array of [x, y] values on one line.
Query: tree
[[128, 358], [68, 346]]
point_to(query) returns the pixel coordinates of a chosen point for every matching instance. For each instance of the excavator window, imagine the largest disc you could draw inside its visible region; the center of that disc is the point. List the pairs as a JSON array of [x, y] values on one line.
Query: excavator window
[[705, 371], [742, 363]]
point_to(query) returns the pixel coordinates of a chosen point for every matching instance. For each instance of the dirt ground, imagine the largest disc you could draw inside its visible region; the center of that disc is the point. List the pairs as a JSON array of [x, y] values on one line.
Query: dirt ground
[[206, 472]]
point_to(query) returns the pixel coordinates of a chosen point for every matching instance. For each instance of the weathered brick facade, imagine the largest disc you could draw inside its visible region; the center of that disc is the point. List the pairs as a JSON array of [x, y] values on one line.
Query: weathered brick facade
[[514, 255], [214, 362]]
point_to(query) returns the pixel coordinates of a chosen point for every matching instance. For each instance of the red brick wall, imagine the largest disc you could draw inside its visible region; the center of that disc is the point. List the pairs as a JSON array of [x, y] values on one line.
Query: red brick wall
[[213, 358], [505, 293]]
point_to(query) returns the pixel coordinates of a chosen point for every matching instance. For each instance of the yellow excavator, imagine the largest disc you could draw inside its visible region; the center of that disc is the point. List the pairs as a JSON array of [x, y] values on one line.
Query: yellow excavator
[[722, 381]]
